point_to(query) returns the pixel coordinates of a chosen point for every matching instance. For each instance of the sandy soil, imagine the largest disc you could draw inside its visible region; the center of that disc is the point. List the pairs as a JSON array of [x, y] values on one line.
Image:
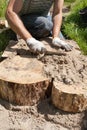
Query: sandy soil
[[43, 116], [69, 69]]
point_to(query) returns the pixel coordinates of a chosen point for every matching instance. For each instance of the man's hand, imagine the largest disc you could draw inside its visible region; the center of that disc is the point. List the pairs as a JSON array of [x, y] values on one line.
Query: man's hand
[[35, 45], [57, 42]]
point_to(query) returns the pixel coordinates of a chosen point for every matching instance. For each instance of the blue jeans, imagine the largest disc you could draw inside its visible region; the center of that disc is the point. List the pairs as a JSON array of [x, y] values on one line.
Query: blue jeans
[[39, 26]]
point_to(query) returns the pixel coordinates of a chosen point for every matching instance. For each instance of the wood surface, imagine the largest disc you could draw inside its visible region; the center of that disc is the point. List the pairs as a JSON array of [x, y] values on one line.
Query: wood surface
[[70, 98], [22, 79]]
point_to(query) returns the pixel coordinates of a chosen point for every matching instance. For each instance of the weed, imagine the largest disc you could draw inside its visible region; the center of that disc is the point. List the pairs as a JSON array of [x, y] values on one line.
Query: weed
[[3, 4], [74, 27]]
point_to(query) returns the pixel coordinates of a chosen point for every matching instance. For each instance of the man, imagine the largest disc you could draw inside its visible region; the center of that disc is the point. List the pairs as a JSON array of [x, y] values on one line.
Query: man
[[28, 18]]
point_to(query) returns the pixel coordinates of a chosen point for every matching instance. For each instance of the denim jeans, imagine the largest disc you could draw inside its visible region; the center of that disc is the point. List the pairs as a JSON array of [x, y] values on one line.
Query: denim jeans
[[39, 26]]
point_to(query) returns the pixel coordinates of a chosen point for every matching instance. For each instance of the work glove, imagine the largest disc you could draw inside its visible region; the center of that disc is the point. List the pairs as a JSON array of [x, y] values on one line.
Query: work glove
[[35, 45], [57, 42]]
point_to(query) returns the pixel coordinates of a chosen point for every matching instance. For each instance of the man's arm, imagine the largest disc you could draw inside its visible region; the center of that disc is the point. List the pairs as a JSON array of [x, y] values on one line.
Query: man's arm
[[57, 21], [57, 17], [13, 8], [17, 25]]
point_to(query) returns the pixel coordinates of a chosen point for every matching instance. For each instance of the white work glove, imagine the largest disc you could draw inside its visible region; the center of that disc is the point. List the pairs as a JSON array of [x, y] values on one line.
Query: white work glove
[[35, 45], [57, 42]]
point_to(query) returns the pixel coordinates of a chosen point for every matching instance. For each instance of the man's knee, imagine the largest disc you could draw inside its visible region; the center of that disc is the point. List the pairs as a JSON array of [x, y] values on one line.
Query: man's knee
[[45, 24]]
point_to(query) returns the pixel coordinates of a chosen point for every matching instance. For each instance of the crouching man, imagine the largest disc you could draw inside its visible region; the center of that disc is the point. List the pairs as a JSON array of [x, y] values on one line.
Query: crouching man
[[29, 19]]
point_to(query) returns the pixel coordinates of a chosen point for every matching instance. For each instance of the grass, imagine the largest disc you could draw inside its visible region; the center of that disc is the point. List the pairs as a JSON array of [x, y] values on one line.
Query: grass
[[3, 40], [3, 4], [5, 36], [70, 1], [74, 28]]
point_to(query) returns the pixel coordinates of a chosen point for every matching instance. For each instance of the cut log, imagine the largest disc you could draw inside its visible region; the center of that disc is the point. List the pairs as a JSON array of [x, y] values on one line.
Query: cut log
[[21, 48], [21, 74], [22, 79], [69, 98]]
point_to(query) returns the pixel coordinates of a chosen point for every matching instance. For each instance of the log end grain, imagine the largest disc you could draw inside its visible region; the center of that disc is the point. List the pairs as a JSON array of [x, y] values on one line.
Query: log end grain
[[69, 98], [22, 80]]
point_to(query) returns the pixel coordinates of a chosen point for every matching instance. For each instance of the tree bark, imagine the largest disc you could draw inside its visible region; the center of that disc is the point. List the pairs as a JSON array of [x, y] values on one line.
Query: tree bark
[[22, 79], [69, 98]]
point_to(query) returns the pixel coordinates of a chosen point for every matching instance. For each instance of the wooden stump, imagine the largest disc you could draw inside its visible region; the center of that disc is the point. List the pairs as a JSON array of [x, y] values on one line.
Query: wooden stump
[[69, 98], [22, 79]]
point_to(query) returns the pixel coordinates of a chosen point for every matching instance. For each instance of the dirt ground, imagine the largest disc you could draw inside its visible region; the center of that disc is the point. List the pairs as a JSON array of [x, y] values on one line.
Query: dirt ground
[[43, 116], [69, 69]]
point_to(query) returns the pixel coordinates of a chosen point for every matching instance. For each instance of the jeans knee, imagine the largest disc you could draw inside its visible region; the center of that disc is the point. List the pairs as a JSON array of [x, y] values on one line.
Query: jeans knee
[[47, 24]]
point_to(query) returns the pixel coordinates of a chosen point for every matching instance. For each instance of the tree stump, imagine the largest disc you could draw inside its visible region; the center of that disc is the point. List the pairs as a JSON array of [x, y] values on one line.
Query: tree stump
[[69, 98], [22, 79]]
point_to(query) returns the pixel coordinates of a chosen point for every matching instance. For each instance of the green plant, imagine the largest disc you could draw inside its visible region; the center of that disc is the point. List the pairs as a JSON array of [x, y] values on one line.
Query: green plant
[[70, 1], [3, 40], [5, 36], [3, 4], [73, 26]]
